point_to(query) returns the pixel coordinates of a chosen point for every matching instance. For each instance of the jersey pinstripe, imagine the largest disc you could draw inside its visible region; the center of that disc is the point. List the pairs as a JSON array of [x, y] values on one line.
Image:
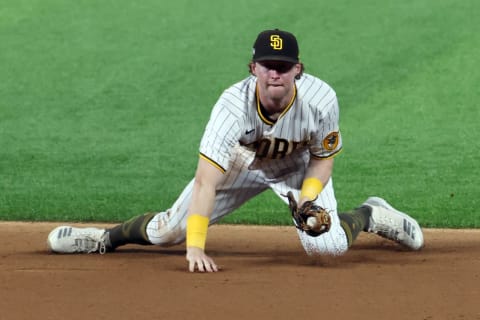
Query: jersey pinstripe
[[310, 123]]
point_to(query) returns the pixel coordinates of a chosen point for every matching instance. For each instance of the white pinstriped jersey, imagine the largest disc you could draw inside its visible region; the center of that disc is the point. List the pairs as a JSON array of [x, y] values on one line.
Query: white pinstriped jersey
[[309, 125]]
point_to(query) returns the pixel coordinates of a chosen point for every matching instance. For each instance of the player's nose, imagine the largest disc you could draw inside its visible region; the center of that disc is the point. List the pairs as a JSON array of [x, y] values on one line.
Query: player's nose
[[273, 73]]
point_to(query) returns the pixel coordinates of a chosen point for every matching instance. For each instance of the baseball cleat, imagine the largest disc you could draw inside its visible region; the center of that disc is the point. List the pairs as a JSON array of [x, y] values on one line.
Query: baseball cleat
[[66, 239], [392, 224]]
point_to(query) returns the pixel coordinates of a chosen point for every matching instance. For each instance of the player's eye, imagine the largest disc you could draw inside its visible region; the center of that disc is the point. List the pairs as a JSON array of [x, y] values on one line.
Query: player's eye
[[279, 66]]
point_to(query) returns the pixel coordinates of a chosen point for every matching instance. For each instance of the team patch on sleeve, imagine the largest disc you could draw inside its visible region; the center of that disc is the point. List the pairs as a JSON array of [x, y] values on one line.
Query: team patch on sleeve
[[331, 141]]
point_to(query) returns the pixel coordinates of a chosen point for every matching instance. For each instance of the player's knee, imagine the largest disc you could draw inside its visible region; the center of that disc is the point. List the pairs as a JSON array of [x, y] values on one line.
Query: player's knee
[[162, 230], [332, 243], [313, 249]]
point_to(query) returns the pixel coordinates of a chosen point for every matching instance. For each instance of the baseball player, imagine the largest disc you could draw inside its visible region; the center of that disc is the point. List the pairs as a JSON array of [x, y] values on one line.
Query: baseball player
[[277, 129]]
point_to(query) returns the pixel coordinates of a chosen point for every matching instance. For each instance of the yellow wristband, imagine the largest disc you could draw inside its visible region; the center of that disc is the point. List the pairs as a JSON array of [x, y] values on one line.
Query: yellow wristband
[[311, 188], [197, 226]]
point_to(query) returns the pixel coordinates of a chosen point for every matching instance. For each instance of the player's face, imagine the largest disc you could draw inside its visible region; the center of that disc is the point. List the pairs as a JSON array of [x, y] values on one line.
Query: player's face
[[275, 79]]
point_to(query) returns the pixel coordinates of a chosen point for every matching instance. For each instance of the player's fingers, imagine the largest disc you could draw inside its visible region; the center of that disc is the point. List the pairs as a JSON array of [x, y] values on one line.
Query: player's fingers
[[200, 265], [191, 265], [208, 265], [211, 266]]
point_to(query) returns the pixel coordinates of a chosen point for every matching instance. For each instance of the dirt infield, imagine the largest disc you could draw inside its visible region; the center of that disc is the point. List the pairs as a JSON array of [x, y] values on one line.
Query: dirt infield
[[265, 275]]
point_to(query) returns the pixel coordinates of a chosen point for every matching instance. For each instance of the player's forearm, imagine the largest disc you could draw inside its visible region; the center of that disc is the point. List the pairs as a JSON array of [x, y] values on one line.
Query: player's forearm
[[317, 175], [320, 169], [202, 203], [199, 212], [203, 199], [207, 178]]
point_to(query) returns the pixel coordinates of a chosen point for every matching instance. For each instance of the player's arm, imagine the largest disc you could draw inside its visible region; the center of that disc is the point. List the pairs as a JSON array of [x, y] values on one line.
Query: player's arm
[[207, 178], [327, 144], [318, 173]]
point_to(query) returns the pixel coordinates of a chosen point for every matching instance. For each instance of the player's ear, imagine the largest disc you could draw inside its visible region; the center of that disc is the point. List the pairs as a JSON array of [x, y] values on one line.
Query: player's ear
[[252, 68], [298, 69]]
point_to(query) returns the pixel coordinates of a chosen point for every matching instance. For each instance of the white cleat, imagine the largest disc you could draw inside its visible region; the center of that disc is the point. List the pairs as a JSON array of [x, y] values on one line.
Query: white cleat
[[66, 239], [393, 224]]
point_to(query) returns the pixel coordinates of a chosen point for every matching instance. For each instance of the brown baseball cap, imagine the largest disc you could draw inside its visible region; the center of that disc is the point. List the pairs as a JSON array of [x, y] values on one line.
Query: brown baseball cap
[[275, 45]]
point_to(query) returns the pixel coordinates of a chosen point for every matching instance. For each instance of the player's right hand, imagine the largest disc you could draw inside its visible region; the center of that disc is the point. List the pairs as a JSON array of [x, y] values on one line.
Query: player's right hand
[[198, 260]]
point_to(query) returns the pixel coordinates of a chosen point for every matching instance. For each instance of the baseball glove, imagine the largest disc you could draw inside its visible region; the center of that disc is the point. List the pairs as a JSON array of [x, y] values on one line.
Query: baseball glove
[[310, 218]]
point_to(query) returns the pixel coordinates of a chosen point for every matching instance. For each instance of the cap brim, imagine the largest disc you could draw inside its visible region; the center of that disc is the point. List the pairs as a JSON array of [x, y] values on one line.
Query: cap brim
[[276, 58]]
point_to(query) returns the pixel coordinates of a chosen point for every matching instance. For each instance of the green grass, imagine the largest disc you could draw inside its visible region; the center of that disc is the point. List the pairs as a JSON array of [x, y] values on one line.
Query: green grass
[[103, 103]]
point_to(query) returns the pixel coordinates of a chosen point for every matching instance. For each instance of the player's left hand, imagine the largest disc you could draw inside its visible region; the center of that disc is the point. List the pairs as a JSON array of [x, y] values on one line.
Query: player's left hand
[[198, 260], [309, 217]]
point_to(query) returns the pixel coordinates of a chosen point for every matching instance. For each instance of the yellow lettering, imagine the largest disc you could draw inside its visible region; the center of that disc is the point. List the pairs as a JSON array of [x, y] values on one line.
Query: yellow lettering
[[276, 42]]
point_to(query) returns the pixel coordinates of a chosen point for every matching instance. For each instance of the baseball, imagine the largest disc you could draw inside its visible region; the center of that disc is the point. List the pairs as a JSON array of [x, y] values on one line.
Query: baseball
[[311, 222]]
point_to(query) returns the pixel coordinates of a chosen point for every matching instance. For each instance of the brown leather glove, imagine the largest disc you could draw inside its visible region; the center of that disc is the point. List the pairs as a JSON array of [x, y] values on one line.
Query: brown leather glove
[[310, 218]]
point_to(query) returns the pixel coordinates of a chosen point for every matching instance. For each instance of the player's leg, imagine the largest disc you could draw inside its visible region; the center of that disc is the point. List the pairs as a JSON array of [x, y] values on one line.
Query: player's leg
[[131, 231], [164, 228], [354, 221], [377, 216], [68, 239], [333, 242], [345, 226]]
